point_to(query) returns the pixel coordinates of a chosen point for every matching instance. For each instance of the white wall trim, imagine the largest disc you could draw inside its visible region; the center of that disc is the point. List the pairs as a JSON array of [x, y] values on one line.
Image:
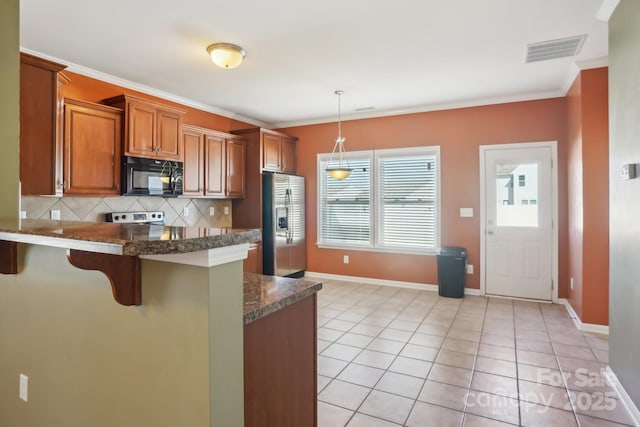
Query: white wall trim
[[206, 258], [624, 396], [585, 327], [553, 145], [479, 102], [382, 282]]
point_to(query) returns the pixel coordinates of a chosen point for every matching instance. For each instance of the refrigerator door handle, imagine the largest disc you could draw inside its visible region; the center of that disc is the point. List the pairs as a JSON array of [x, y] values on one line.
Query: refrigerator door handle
[[287, 203]]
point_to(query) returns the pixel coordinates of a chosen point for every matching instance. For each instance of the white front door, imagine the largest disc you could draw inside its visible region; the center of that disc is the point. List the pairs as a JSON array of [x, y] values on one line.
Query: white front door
[[518, 216]]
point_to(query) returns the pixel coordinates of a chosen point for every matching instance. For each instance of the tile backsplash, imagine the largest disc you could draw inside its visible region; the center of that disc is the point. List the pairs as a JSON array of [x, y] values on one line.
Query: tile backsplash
[[95, 208]]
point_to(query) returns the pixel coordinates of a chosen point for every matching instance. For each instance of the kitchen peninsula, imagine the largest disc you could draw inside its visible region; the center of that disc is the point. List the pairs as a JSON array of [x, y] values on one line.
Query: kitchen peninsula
[[169, 350]]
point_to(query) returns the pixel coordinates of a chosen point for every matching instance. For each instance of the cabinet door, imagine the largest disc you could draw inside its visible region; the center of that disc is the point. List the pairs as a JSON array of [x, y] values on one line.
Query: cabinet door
[[40, 148], [288, 155], [168, 136], [193, 151], [91, 151], [236, 150], [253, 261], [270, 152], [59, 150], [142, 129], [215, 166], [280, 365]]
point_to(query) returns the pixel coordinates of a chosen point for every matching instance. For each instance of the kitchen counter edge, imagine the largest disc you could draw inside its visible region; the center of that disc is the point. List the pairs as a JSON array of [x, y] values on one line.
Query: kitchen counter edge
[[264, 295], [123, 239]]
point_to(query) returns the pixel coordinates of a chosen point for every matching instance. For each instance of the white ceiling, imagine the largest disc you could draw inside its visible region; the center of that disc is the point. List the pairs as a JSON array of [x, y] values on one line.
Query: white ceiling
[[396, 56]]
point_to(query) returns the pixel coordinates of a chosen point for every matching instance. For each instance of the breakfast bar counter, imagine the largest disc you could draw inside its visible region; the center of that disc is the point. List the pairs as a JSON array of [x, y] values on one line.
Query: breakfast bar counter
[[217, 346], [122, 239]]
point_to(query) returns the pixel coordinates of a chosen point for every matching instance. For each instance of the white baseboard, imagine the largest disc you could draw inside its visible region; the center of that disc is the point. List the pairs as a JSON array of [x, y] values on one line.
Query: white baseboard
[[626, 399], [585, 327], [383, 282]]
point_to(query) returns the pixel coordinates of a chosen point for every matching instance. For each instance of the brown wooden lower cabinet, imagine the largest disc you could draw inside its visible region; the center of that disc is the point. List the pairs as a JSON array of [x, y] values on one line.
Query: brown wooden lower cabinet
[[280, 368], [253, 262]]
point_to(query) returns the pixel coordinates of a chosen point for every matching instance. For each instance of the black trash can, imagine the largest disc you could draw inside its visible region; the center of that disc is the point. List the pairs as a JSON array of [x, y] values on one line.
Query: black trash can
[[451, 271]]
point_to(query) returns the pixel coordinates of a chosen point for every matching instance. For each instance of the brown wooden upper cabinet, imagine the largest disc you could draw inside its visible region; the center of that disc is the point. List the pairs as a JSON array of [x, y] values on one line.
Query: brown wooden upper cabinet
[[92, 148], [150, 130], [41, 123], [214, 163], [277, 150]]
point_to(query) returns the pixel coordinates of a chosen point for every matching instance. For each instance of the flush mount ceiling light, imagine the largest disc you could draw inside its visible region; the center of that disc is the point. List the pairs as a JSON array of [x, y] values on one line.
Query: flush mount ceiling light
[[226, 55], [342, 170]]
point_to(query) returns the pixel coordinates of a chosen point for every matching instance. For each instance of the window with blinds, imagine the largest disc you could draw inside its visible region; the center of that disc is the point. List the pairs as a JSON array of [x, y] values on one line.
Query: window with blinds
[[345, 206], [390, 202], [407, 201]]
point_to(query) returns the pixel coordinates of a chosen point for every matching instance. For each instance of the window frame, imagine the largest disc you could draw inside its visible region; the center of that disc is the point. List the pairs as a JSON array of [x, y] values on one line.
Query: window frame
[[373, 156]]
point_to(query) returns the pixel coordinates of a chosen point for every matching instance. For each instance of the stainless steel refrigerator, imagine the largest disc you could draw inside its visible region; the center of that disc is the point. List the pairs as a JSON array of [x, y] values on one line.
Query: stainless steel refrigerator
[[283, 236]]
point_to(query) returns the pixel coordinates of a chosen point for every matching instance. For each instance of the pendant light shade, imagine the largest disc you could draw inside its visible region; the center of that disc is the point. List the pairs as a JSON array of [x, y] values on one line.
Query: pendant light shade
[[343, 170], [226, 55]]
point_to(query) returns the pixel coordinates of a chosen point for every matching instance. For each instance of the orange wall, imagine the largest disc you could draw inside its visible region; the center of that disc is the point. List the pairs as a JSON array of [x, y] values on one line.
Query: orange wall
[[459, 133], [92, 90], [595, 161], [588, 192]]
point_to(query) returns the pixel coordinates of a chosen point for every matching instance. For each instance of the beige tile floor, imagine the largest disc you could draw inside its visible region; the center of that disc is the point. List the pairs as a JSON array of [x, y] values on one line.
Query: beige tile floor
[[402, 357]]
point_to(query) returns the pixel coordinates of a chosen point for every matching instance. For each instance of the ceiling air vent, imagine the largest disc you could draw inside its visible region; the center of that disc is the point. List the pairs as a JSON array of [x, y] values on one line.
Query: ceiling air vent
[[552, 49]]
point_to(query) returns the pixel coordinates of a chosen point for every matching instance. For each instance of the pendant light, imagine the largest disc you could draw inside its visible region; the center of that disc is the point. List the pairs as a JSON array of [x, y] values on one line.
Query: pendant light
[[343, 170]]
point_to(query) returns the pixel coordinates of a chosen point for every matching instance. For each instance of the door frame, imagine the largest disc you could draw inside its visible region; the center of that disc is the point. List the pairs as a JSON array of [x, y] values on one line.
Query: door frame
[[553, 145]]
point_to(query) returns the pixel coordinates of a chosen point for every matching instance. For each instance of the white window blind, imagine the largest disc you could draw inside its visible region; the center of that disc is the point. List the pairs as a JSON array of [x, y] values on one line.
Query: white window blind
[[345, 206], [407, 201], [390, 202]]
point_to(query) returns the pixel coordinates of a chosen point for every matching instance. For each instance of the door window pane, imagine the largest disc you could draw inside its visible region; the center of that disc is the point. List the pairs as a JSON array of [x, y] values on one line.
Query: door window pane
[[517, 204]]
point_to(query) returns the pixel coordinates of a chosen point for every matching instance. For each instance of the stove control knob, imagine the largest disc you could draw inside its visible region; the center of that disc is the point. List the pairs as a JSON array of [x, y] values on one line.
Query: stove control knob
[[159, 216], [153, 215], [116, 217], [124, 217]]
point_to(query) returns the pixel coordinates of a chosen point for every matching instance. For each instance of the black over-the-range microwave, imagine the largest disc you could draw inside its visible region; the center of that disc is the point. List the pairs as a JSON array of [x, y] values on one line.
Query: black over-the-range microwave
[[151, 177]]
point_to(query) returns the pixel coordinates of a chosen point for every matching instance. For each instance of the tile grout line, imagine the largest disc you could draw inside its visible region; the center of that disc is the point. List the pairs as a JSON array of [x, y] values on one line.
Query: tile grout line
[[432, 363], [407, 313], [390, 364]]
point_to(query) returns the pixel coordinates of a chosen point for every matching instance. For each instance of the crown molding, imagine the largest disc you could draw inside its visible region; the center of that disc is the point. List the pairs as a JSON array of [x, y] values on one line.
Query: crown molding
[[98, 75], [606, 10], [429, 108]]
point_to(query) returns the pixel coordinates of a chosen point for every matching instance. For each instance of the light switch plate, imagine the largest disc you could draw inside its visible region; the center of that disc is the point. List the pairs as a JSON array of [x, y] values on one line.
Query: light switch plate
[[466, 212], [24, 387]]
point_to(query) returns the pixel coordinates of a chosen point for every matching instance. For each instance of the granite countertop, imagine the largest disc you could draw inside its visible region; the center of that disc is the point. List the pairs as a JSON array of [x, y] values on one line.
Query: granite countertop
[[123, 239], [264, 295]]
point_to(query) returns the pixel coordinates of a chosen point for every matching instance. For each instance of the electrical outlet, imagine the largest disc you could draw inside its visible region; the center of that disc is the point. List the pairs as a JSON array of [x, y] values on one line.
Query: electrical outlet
[[23, 392], [23, 214], [55, 215], [466, 212], [469, 268], [212, 211], [571, 283], [226, 210], [345, 259], [185, 212]]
